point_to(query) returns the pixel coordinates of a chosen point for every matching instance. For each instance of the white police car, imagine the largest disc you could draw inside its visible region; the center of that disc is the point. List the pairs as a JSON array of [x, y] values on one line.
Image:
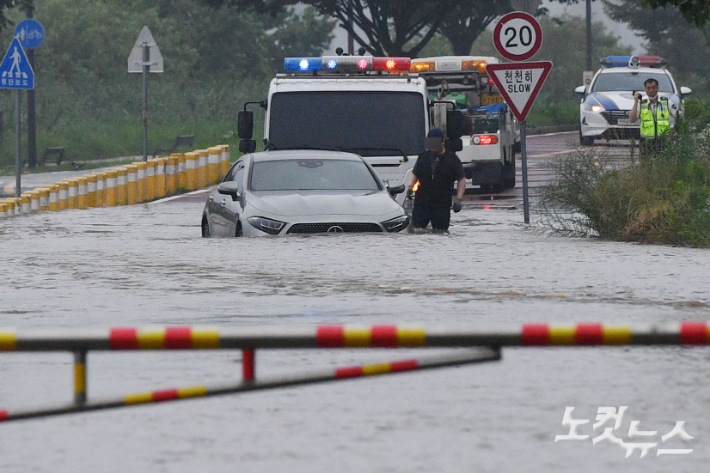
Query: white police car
[[604, 110]]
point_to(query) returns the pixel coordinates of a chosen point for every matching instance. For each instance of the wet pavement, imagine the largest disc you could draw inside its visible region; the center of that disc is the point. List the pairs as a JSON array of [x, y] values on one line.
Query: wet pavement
[[147, 264]]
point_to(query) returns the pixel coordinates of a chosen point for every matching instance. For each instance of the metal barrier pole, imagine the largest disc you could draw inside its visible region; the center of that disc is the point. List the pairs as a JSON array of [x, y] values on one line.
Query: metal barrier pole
[[460, 357], [79, 378], [248, 365]]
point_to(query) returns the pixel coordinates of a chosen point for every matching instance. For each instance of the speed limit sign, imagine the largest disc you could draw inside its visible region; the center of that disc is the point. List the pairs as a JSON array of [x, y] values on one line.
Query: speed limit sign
[[517, 36]]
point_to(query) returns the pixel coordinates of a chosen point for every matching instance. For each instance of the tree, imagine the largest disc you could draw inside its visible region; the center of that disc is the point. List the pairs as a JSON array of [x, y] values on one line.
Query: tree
[[398, 27], [694, 11], [468, 20], [26, 6], [668, 35]]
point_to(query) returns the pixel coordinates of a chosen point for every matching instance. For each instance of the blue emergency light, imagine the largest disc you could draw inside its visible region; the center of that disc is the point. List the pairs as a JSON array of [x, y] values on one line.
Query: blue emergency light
[[633, 61], [303, 64], [348, 64]]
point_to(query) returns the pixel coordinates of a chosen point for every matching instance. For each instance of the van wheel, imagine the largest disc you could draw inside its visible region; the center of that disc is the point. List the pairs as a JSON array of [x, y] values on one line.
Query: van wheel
[[509, 175], [205, 228]]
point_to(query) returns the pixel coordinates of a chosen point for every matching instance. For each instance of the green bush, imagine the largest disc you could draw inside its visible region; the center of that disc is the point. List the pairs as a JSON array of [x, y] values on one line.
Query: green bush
[[662, 198]]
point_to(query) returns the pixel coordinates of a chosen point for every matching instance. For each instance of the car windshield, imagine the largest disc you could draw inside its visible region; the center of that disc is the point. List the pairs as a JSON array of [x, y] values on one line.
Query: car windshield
[[312, 175], [630, 81], [367, 123]]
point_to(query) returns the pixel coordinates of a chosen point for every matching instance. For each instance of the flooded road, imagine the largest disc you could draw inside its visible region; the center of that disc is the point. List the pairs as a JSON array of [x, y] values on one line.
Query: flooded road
[[147, 264]]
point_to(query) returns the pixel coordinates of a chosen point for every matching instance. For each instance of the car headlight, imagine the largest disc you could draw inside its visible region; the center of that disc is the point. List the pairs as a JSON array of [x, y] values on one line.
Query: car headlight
[[396, 224], [266, 225], [593, 108]]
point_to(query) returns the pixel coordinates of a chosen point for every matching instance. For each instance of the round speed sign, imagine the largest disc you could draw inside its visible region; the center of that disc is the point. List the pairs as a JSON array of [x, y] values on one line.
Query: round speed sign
[[517, 36]]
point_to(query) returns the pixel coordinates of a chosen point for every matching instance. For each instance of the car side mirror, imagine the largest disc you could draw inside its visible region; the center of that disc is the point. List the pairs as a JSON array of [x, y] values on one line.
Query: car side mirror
[[230, 188], [245, 124], [685, 91], [582, 89], [394, 190], [247, 146]]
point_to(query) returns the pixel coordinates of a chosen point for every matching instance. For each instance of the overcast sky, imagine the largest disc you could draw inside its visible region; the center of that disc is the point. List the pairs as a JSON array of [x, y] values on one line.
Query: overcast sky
[[556, 9]]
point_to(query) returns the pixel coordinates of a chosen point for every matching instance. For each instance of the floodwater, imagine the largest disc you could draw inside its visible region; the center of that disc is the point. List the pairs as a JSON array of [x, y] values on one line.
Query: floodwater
[[147, 264]]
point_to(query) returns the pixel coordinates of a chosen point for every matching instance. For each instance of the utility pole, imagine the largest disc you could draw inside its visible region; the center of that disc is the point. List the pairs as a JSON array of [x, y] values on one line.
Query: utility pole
[[351, 39], [31, 110], [589, 35]]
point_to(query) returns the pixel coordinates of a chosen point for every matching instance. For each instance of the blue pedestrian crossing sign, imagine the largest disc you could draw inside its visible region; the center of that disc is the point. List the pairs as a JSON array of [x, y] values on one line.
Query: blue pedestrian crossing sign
[[15, 70]]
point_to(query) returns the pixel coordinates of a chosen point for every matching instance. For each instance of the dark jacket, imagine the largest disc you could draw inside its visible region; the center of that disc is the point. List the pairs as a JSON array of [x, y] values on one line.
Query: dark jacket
[[436, 188]]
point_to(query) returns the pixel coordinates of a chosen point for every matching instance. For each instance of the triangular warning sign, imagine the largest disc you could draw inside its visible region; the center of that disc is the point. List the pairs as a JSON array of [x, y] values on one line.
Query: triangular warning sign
[[519, 83], [135, 59]]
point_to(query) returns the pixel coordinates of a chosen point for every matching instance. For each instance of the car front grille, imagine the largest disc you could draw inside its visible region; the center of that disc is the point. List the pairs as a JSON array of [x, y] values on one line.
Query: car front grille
[[334, 228], [613, 117]]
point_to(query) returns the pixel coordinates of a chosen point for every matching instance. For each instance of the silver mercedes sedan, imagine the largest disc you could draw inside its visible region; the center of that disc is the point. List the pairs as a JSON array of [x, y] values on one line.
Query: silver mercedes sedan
[[301, 191]]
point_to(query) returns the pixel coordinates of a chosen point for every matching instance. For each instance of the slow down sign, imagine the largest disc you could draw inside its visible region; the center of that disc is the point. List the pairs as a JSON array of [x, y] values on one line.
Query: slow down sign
[[519, 83]]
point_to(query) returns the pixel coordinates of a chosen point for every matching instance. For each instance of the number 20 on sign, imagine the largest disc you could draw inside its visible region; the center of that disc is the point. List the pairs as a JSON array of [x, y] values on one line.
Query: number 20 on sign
[[517, 36]]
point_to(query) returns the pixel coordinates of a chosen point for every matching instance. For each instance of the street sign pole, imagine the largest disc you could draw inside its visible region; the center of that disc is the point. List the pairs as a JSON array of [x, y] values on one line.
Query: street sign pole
[[18, 144], [518, 37], [16, 73], [146, 66], [31, 34], [524, 162], [139, 61]]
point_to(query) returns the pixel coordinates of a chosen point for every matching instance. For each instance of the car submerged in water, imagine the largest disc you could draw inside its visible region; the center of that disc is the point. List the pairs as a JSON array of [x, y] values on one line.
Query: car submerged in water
[[606, 104], [301, 192]]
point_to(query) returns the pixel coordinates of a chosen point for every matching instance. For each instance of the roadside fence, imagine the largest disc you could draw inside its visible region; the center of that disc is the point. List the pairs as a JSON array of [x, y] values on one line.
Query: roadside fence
[[126, 185], [483, 343]]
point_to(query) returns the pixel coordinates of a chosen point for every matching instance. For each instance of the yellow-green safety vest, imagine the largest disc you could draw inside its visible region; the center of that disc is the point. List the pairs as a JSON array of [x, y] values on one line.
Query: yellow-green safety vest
[[659, 125]]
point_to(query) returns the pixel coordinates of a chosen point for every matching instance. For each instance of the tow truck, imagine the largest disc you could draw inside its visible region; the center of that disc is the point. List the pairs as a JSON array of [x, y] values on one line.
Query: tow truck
[[380, 108], [490, 139]]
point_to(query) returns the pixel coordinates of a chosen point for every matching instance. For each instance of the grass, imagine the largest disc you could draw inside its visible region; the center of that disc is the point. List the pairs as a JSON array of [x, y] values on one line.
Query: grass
[[663, 198], [553, 114]]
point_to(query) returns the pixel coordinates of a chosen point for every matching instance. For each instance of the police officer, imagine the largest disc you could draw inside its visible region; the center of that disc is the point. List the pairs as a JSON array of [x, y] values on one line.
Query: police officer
[[436, 170], [657, 116]]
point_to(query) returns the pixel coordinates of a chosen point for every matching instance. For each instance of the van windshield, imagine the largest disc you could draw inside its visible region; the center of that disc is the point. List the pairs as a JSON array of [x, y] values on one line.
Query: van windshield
[[367, 123]]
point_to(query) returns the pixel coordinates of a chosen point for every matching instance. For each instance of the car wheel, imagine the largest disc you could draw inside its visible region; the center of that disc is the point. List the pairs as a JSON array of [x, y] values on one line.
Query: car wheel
[[205, 228], [239, 231], [585, 140]]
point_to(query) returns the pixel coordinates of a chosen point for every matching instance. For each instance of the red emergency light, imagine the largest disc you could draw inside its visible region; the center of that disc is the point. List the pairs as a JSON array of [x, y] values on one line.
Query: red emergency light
[[391, 64]]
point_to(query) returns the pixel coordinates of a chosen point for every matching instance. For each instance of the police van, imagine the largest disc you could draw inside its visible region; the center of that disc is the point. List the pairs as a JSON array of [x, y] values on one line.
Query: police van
[[382, 108], [606, 103]]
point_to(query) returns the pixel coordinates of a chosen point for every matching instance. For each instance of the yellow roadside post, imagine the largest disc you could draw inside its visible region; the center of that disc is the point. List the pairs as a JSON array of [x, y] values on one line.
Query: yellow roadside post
[[140, 181], [53, 197], [72, 192], [63, 195], [111, 184], [191, 171], [171, 177], [214, 155], [121, 183], [182, 177], [82, 191], [100, 189], [91, 190], [43, 198], [131, 174]]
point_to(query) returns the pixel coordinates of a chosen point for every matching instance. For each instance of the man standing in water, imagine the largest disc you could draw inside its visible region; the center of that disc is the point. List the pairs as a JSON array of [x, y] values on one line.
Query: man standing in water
[[436, 170]]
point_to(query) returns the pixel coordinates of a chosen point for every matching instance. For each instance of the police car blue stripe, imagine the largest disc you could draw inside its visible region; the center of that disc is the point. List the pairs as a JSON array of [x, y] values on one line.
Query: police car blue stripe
[[602, 100]]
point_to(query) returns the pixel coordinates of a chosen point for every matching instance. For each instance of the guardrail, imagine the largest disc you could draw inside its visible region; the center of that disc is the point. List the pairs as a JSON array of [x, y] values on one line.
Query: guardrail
[[488, 339], [126, 185]]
